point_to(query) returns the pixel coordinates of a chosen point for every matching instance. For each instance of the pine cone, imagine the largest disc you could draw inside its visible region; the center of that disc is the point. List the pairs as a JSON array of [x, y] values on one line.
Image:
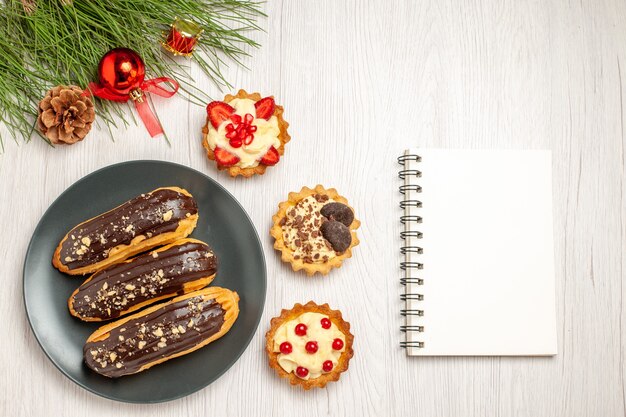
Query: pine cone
[[65, 115]]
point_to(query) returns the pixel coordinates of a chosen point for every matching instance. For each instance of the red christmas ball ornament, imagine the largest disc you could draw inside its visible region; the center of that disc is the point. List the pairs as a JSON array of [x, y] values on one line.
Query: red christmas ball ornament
[[122, 74], [121, 70]]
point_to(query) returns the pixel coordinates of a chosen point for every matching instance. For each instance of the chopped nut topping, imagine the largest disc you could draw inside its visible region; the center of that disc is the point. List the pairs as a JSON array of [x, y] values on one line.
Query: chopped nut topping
[[158, 332], [68, 259], [167, 216], [161, 344], [113, 356], [118, 365], [129, 287], [86, 241], [141, 344]]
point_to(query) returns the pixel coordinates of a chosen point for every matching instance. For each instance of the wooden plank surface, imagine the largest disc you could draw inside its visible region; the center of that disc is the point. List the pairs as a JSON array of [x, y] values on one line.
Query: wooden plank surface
[[360, 82]]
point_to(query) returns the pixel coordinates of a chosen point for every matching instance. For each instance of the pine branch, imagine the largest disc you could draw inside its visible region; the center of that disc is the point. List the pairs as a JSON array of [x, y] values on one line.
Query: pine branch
[[51, 42]]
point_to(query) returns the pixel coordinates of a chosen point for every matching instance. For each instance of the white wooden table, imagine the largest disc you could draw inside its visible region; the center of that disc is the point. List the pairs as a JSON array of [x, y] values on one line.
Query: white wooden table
[[361, 81]]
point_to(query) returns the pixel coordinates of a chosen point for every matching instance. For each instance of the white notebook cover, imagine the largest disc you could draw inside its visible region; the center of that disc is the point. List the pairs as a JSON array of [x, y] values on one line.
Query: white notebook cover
[[488, 263]]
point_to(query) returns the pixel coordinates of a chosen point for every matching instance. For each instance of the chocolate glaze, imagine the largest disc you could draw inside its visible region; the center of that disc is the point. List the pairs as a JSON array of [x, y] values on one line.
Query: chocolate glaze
[[149, 214], [122, 286], [154, 336]]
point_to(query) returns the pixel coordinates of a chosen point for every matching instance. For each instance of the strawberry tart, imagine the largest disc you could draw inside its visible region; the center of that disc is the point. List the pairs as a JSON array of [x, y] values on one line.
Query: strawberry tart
[[245, 133]]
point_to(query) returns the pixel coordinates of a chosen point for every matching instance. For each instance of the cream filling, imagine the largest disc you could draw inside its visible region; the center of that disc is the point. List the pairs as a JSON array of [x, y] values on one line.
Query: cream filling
[[315, 332], [313, 249], [265, 137]]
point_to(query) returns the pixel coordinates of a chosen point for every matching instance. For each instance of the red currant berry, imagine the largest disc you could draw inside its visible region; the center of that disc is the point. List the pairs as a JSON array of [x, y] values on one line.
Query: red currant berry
[[301, 329], [337, 344], [286, 348], [325, 323], [327, 366], [302, 372], [311, 347]]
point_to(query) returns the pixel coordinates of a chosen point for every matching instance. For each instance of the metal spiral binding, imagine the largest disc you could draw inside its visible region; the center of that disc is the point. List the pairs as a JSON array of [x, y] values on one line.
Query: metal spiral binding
[[412, 329], [411, 265], [412, 344], [410, 219]]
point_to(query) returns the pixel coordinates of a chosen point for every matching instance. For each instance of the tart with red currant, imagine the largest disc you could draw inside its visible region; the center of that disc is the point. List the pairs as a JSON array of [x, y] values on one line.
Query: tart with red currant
[[310, 345], [245, 133], [315, 230]]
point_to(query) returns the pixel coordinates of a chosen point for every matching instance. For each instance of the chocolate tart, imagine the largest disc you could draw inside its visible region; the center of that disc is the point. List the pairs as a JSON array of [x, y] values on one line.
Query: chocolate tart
[[259, 169], [149, 220], [161, 332], [338, 326], [179, 268], [312, 264]]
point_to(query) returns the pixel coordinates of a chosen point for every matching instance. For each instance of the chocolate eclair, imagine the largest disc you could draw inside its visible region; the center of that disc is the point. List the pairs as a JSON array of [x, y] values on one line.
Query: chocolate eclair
[[161, 332], [181, 267], [149, 220]]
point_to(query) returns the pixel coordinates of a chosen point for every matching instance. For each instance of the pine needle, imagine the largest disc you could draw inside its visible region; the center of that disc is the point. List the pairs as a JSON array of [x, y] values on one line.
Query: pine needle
[[58, 43]]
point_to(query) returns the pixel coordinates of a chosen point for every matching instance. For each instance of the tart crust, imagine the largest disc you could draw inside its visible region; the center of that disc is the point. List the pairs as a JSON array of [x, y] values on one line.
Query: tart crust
[[297, 310], [283, 136], [287, 254]]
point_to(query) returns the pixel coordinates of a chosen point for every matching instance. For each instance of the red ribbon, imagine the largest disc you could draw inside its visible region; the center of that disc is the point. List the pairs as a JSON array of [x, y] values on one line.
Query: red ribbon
[[145, 112]]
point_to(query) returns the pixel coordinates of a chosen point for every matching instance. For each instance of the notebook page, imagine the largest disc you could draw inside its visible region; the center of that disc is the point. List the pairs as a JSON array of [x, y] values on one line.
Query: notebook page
[[488, 269]]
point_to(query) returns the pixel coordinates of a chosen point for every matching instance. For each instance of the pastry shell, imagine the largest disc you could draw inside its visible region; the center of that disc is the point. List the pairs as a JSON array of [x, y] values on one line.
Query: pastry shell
[[287, 254], [283, 136], [297, 310]]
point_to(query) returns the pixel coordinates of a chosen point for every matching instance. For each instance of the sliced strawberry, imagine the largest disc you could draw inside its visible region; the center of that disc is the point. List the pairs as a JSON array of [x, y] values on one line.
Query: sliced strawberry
[[219, 111], [271, 157], [265, 108], [224, 158]]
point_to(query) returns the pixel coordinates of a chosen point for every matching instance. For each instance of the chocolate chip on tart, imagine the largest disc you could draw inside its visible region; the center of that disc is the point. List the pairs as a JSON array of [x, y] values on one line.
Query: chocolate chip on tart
[[338, 212]]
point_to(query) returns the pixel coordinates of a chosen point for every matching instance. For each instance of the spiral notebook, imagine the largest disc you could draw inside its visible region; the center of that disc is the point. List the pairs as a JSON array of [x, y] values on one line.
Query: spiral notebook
[[478, 267]]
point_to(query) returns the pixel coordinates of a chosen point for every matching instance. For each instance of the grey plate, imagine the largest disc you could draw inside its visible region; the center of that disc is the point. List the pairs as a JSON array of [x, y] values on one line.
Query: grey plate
[[223, 224]]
